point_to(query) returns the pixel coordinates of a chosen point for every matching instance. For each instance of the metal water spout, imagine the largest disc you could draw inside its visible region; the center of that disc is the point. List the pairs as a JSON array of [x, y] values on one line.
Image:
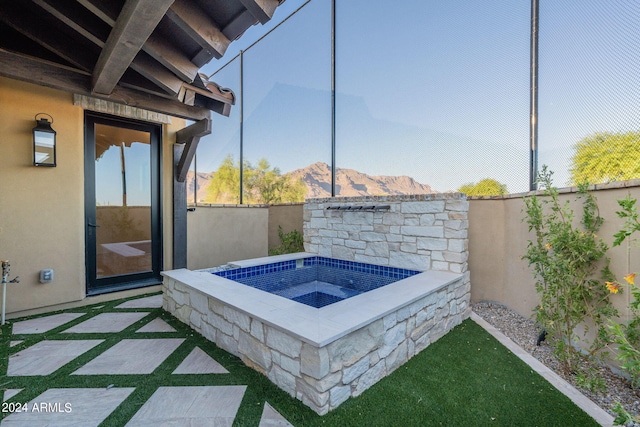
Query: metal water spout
[[5, 275]]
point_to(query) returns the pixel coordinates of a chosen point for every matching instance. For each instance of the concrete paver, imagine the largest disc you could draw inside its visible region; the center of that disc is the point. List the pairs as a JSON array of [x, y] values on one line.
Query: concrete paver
[[47, 356], [106, 322], [156, 325], [131, 356], [190, 406], [272, 418], [168, 406], [82, 407], [199, 362], [43, 324], [154, 301], [10, 392]]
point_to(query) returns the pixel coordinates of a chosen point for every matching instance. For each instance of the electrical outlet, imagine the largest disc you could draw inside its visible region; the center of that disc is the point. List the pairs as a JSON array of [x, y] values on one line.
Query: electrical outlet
[[46, 275]]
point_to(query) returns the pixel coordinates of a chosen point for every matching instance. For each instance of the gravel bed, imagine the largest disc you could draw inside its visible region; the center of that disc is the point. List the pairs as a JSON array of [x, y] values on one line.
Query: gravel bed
[[524, 332]]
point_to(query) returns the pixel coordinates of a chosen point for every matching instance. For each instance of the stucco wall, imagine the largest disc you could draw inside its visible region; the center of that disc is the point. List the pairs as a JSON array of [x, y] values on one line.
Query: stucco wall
[[219, 234], [288, 216], [42, 209], [498, 240]]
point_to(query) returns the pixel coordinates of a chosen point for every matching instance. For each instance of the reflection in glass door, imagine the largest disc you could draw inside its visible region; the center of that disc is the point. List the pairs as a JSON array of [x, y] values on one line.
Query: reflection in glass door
[[122, 220]]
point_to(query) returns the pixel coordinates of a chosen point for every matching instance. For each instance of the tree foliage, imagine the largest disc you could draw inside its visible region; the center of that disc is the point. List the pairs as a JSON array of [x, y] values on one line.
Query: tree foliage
[[225, 183], [262, 184], [484, 187], [605, 157]]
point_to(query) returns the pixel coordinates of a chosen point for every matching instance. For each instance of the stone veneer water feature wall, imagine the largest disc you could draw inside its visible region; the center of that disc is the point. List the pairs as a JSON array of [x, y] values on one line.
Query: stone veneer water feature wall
[[424, 232], [324, 356]]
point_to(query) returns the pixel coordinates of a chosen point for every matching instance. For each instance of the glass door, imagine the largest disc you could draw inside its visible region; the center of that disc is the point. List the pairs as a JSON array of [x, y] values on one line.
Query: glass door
[[122, 204]]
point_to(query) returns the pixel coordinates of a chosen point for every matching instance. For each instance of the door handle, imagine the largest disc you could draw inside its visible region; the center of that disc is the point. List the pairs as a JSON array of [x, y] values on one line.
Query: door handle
[[92, 225]]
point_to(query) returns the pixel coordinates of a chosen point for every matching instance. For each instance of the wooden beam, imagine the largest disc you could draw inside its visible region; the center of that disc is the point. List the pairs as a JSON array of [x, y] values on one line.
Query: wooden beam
[[134, 25], [262, 10], [162, 77], [179, 214], [189, 97], [211, 104], [188, 153], [98, 9], [62, 45], [171, 57], [137, 81], [158, 47], [239, 25], [196, 23], [213, 92], [45, 73], [197, 129], [191, 137], [66, 13]]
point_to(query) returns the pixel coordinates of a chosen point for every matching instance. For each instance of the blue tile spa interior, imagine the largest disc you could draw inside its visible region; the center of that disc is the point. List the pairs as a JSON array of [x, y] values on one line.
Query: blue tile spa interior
[[316, 281]]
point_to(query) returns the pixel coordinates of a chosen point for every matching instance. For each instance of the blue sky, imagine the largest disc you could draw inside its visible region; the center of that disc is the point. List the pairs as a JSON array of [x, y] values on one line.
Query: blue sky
[[109, 175], [437, 90]]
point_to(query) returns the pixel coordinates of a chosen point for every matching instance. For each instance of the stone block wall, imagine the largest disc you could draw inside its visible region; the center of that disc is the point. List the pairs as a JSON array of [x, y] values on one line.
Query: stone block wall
[[423, 232], [322, 377]]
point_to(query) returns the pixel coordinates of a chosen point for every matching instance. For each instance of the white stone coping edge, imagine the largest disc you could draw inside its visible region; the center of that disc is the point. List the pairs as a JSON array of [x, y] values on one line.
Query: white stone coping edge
[[316, 326], [601, 416]]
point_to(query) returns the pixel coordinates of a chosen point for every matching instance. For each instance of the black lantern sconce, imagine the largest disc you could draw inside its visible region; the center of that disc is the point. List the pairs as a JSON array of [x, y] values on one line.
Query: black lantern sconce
[[44, 142]]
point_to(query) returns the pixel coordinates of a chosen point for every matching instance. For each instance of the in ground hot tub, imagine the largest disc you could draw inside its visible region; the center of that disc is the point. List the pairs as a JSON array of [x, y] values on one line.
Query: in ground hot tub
[[321, 356], [315, 281]]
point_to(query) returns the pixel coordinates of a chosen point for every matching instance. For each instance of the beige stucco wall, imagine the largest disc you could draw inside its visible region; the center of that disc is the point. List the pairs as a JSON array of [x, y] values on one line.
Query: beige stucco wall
[[498, 240], [289, 216], [42, 209], [217, 235]]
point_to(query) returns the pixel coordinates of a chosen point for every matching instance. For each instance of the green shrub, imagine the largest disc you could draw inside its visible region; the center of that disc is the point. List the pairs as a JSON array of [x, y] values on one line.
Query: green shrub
[[290, 242], [564, 258], [627, 337]]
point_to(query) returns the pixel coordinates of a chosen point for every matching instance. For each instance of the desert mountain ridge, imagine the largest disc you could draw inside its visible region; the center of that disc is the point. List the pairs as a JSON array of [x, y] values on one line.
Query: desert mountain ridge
[[317, 176]]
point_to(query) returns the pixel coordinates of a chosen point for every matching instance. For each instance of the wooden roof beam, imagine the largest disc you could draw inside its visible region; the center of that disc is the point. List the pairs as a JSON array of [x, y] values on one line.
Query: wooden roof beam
[[171, 57], [196, 23], [162, 77], [65, 12], [160, 49], [133, 27], [239, 25], [98, 10], [262, 10], [60, 45], [45, 73]]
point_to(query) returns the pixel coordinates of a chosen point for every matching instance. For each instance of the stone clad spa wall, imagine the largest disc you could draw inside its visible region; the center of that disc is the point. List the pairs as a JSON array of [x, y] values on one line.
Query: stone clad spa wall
[[322, 375], [423, 232]]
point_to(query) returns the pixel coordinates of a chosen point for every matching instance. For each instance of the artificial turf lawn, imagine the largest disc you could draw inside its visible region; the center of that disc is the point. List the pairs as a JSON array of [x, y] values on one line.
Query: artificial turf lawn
[[465, 378]]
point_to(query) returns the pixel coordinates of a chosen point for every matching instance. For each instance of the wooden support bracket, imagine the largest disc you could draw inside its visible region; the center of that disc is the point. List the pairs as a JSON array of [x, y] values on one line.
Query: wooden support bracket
[[190, 136]]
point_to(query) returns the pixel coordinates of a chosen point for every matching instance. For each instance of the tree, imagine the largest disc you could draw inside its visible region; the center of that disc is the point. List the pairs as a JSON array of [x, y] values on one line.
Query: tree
[[262, 184], [484, 187], [605, 157], [225, 183]]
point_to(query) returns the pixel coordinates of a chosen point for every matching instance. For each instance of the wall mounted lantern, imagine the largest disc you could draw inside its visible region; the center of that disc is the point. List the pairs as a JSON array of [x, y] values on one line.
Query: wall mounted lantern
[[44, 142]]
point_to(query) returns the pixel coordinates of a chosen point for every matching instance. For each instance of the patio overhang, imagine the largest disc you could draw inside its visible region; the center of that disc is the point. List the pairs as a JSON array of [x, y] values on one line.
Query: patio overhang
[[141, 53]]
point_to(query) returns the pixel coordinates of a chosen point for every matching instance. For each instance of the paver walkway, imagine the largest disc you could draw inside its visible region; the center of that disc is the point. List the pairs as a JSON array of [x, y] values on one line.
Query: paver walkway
[[126, 364]]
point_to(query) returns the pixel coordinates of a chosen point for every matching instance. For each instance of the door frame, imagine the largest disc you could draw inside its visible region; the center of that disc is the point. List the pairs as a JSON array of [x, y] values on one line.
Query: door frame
[[95, 285]]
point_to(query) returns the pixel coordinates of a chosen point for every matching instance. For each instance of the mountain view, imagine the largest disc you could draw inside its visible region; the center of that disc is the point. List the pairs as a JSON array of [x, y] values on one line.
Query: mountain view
[[317, 177]]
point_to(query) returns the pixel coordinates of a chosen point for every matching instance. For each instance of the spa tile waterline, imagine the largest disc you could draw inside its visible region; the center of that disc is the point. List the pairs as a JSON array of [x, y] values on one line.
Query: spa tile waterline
[[314, 281]]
